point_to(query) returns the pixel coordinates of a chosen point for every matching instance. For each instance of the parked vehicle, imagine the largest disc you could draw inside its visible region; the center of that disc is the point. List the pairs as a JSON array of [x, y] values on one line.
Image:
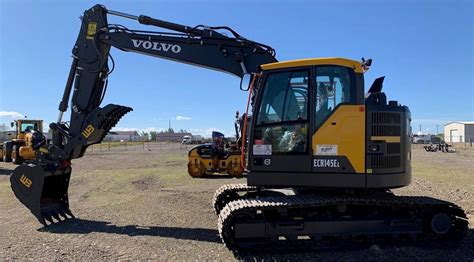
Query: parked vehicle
[[421, 139], [191, 139]]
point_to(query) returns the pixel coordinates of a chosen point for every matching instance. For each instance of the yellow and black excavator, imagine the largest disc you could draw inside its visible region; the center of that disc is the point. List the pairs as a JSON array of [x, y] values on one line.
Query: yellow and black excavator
[[322, 154]]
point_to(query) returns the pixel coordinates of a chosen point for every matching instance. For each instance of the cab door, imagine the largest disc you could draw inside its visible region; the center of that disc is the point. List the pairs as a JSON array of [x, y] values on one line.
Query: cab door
[[280, 141], [338, 138]]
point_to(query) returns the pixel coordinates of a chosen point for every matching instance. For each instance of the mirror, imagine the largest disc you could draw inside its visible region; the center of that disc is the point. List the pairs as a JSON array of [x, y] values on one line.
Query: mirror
[[245, 82], [12, 124]]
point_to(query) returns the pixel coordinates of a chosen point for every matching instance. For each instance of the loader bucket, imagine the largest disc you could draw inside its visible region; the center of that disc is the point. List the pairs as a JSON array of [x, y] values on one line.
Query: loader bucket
[[43, 190]]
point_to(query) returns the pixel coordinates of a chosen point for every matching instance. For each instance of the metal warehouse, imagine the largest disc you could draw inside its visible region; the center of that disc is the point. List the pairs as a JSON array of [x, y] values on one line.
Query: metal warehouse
[[456, 132]]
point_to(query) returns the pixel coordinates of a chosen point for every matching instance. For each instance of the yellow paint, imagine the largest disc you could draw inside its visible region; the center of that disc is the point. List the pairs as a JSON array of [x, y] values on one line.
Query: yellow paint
[[43, 150], [231, 164], [356, 65], [91, 29], [348, 134], [26, 152], [388, 139], [26, 181], [88, 131]]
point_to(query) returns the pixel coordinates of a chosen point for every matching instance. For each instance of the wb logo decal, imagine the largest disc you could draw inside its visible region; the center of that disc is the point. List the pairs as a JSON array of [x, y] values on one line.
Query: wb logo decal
[[26, 181], [88, 131]]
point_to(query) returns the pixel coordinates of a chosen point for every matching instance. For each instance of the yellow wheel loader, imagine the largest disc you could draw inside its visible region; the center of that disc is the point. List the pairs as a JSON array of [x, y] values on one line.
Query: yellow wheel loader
[[20, 148]]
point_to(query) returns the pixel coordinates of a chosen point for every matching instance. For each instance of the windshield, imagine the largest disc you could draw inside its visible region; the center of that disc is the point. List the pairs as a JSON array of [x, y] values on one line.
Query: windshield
[[282, 119], [284, 98], [26, 127]]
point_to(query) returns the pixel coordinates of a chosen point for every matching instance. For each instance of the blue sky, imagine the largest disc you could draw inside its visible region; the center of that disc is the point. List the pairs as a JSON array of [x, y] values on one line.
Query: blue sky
[[424, 48]]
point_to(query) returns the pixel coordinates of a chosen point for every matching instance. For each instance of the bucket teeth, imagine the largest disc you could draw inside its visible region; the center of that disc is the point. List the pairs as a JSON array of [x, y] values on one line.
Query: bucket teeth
[[62, 213], [43, 222], [55, 216], [48, 219], [69, 213]]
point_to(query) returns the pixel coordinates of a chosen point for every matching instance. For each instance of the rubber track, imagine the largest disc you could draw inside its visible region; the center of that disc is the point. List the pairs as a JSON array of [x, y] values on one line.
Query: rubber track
[[244, 206], [225, 190]]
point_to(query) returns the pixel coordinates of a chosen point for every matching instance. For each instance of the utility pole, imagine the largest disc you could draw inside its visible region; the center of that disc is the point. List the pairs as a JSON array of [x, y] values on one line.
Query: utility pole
[[420, 128], [437, 132]]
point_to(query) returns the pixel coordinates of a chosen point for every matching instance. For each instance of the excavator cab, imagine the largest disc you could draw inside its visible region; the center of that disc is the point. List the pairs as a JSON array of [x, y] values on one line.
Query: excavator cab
[[313, 127]]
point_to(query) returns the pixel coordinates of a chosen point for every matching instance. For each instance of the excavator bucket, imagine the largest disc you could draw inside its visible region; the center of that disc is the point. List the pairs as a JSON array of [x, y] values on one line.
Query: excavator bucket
[[43, 190]]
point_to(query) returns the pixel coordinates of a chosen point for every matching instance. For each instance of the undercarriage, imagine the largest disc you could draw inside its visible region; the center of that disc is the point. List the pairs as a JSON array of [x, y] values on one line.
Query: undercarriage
[[256, 219]]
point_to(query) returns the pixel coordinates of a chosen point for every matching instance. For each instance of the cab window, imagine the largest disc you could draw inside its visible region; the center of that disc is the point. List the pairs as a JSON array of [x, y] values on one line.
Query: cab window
[[28, 127], [282, 118], [334, 86]]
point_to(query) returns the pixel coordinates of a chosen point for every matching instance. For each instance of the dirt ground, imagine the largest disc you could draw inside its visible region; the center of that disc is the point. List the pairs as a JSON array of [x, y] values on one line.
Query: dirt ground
[[141, 204]]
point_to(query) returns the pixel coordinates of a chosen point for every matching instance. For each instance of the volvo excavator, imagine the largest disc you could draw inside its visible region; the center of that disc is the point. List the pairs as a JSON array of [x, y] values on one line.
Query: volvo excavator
[[322, 154]]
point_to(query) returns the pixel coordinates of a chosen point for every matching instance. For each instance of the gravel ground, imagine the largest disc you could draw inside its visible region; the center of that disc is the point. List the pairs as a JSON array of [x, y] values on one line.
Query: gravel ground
[[141, 204]]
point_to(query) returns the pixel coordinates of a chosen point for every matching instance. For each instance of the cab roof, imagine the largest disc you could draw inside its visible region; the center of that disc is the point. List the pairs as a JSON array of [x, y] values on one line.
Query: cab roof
[[29, 120], [356, 65]]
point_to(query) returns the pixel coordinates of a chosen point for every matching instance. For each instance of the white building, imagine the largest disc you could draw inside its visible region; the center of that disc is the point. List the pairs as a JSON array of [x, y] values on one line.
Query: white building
[[173, 137], [124, 136], [459, 131]]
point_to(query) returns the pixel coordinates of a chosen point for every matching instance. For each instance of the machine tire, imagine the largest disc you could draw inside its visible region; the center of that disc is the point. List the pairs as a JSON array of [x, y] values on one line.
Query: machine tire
[[7, 152], [15, 155]]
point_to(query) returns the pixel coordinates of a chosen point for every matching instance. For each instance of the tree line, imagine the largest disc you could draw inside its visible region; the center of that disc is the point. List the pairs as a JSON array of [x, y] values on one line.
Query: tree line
[[152, 134]]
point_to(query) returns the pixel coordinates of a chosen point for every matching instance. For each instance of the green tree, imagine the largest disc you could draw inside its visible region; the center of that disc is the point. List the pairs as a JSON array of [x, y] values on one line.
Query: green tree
[[153, 135]]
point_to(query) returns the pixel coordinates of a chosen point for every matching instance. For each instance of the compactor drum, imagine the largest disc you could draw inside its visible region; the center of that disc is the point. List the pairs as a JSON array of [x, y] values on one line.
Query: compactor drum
[[216, 157]]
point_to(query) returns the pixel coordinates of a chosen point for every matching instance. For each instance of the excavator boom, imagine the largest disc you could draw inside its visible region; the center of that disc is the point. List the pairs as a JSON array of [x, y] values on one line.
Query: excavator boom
[[42, 185]]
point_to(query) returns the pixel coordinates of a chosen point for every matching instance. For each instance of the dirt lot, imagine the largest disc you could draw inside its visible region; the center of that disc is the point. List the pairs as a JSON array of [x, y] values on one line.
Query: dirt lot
[[141, 204]]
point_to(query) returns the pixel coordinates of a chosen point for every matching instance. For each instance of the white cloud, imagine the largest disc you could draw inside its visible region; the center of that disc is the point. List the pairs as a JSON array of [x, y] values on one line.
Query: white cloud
[[11, 114], [180, 118]]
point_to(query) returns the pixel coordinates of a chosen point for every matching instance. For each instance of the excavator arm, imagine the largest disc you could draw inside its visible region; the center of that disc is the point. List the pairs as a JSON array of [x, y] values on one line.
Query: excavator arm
[[42, 185]]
